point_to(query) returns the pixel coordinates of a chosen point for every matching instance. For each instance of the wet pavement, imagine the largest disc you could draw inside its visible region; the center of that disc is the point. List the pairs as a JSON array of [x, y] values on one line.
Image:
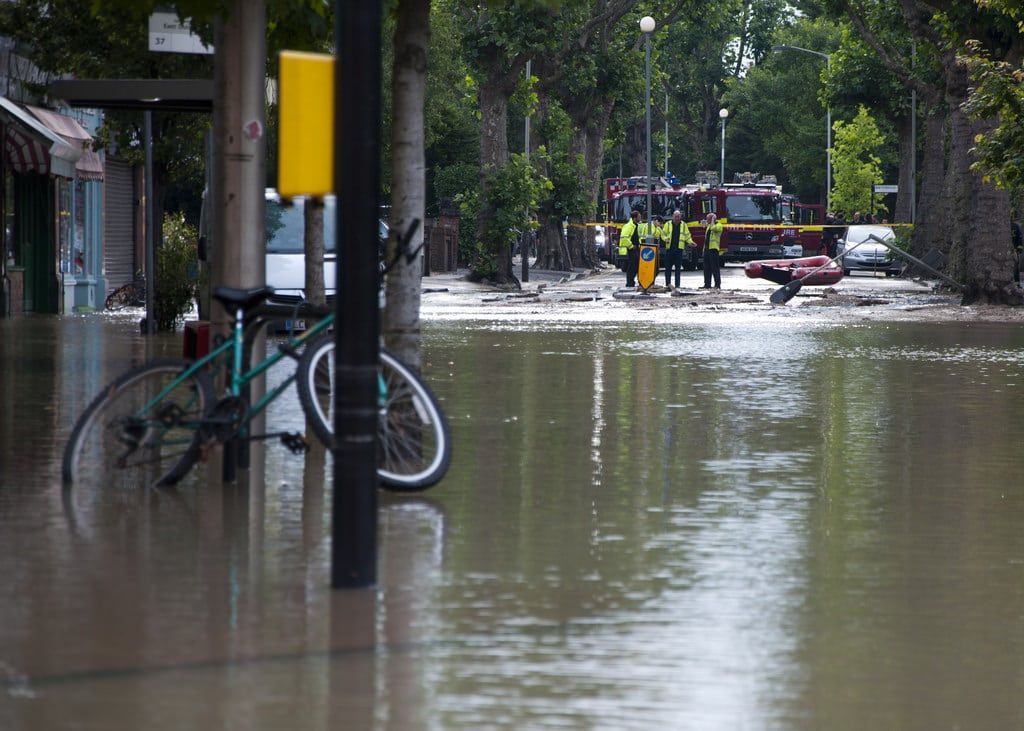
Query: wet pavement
[[658, 516]]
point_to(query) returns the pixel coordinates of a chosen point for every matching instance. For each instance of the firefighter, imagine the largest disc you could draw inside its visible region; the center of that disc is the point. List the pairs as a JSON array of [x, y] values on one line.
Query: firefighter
[[630, 236], [712, 250], [656, 226], [675, 235]]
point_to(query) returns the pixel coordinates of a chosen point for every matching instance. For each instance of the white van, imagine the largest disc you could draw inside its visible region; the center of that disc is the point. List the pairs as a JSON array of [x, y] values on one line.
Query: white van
[[286, 259]]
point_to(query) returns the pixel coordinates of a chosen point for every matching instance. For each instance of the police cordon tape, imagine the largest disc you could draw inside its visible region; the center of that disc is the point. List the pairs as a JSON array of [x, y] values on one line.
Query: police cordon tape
[[756, 226]]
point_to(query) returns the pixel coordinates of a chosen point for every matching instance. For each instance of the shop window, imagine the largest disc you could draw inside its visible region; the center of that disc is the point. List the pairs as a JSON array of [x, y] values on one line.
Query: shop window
[[80, 261], [10, 244], [64, 224]]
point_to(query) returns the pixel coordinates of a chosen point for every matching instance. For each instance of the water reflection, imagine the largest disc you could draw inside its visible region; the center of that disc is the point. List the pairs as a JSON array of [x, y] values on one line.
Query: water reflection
[[724, 525]]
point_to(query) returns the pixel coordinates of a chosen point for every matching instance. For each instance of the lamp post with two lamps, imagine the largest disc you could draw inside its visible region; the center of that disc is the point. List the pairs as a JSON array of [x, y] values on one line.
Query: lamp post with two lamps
[[828, 117]]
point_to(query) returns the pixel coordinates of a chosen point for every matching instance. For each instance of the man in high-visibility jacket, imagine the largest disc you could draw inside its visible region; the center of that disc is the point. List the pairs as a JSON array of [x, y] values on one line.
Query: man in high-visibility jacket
[[712, 251], [675, 235], [630, 238]]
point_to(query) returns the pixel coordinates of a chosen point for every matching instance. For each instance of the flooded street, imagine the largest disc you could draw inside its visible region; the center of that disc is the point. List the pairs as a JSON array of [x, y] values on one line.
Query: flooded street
[[687, 520]]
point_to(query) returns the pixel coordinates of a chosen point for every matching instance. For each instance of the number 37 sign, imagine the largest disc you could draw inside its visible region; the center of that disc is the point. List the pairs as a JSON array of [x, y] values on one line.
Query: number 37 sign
[[167, 34]]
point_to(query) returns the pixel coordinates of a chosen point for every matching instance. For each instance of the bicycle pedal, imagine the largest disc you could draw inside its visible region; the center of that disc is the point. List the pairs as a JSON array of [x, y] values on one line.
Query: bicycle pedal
[[295, 443]]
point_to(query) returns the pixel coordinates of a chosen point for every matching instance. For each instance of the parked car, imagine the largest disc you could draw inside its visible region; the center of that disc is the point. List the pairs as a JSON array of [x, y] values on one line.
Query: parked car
[[868, 255], [599, 243], [286, 258]]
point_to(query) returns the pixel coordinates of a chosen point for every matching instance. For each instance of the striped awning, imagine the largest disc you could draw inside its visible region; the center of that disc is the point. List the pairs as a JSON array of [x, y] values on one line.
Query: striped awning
[[25, 154], [89, 166], [31, 146]]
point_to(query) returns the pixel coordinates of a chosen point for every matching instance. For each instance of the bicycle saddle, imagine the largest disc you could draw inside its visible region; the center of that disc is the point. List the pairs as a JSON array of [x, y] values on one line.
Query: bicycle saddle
[[244, 299]]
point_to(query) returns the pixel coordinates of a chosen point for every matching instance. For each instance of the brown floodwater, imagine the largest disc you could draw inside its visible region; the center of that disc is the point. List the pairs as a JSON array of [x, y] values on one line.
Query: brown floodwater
[[739, 522]]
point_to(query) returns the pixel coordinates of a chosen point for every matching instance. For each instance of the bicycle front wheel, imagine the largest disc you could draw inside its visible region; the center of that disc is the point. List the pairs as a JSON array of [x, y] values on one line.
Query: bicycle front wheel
[[130, 438], [414, 443]]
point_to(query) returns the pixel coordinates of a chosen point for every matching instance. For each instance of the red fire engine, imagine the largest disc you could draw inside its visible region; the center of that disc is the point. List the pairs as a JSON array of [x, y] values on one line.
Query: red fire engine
[[761, 221]]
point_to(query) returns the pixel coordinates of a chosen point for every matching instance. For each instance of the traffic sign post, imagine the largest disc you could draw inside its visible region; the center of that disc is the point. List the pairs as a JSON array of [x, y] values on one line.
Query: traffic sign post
[[880, 189]]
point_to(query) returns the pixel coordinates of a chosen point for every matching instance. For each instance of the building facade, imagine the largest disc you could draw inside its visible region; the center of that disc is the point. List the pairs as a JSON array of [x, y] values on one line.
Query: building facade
[[62, 253]]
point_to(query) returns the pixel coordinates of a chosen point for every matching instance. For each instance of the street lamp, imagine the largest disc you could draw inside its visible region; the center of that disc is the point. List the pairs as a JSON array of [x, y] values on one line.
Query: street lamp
[[647, 27], [724, 114], [828, 117]]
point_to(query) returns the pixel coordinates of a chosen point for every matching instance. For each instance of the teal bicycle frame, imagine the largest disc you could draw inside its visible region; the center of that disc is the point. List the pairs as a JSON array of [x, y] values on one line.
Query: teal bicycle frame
[[239, 378]]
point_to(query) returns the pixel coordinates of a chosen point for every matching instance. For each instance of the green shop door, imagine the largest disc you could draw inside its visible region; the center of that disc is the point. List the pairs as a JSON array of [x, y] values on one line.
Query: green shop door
[[33, 205]]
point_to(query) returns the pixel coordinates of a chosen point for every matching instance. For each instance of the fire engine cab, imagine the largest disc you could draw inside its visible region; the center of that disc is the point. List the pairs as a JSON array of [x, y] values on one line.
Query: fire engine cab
[[761, 221]]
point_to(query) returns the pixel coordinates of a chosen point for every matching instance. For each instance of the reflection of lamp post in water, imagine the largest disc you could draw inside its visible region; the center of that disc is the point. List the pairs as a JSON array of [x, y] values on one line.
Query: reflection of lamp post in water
[[723, 113], [647, 27], [524, 240]]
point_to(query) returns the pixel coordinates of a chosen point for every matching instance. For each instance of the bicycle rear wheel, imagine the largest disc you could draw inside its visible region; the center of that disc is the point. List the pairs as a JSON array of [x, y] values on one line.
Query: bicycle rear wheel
[[126, 440], [414, 446], [129, 295]]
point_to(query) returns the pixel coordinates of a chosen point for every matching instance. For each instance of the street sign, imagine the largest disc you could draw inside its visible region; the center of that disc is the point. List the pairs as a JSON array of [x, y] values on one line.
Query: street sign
[[167, 34], [887, 189], [647, 272]]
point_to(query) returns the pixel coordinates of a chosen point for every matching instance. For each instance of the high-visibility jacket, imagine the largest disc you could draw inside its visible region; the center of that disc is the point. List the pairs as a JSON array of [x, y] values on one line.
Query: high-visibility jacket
[[713, 236], [626, 237], [685, 237]]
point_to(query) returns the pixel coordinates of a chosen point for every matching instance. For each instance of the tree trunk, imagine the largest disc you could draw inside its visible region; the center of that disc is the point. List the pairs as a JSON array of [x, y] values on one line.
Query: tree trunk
[[907, 153], [551, 251], [932, 225], [313, 245], [408, 185], [590, 126], [315, 291], [494, 94], [636, 162], [579, 238], [981, 252]]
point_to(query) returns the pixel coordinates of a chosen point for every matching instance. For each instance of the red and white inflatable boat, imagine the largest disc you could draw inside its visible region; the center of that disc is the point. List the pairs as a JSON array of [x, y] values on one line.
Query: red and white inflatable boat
[[784, 271]]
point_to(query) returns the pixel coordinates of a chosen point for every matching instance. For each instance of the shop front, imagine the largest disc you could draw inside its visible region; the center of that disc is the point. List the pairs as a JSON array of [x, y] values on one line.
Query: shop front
[[51, 207]]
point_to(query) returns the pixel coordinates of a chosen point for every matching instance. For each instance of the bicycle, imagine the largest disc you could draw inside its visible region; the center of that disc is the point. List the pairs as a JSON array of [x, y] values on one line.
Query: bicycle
[[151, 425], [132, 294]]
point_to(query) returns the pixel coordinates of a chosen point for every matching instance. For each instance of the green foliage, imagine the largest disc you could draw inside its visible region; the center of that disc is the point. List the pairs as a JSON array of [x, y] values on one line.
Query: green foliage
[[704, 52], [998, 93], [855, 166], [777, 123], [452, 134], [61, 38], [566, 194], [509, 193], [484, 263], [175, 287]]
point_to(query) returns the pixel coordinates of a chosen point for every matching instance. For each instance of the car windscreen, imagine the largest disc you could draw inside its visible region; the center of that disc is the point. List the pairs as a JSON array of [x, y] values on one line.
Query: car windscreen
[[285, 227], [661, 205], [752, 208], [855, 234]]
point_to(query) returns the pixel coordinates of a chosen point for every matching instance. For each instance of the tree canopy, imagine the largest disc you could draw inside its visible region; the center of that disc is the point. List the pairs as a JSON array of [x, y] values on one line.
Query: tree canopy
[[961, 59]]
